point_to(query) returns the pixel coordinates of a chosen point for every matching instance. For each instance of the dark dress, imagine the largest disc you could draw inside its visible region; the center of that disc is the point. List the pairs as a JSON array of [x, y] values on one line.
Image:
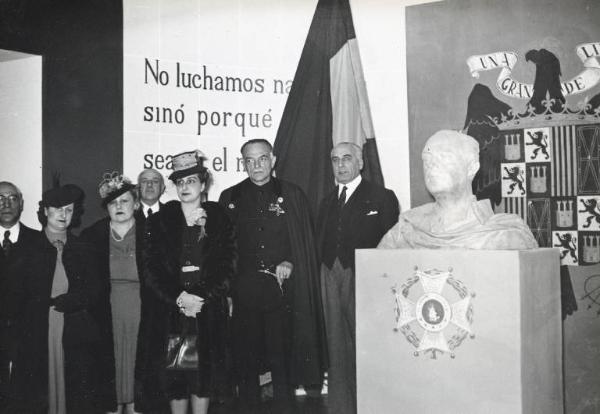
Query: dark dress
[[170, 246], [29, 390]]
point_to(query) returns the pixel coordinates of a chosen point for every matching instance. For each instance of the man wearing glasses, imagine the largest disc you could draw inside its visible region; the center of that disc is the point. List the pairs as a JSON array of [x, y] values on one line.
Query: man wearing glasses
[[276, 323], [15, 238]]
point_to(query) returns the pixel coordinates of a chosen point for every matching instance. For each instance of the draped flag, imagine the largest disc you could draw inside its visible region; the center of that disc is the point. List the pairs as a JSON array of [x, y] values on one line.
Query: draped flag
[[327, 104]]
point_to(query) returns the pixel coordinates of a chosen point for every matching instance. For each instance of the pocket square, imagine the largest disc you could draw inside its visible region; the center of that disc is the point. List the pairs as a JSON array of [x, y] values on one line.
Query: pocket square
[[372, 213]]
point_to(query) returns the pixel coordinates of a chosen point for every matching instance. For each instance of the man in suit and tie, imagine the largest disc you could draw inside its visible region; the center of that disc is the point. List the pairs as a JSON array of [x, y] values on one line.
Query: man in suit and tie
[[16, 239], [353, 216], [152, 187]]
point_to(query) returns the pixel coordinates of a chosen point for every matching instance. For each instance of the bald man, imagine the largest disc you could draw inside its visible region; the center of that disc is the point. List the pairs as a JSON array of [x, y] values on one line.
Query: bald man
[[456, 219], [353, 216]]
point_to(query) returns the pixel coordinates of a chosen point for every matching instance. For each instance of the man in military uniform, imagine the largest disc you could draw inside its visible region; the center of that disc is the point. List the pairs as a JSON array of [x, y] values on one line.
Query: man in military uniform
[[277, 320]]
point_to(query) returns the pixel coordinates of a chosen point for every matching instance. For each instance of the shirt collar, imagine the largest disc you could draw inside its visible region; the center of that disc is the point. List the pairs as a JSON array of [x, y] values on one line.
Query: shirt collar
[[155, 207], [14, 232], [350, 187]]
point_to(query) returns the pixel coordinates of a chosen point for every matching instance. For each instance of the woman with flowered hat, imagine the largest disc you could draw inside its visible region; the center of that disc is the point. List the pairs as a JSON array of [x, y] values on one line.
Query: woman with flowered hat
[[54, 367], [190, 258], [117, 239]]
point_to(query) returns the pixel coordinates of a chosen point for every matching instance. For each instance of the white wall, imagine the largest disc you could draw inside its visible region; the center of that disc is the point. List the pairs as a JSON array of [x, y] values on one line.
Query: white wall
[[261, 39], [258, 39], [21, 127]]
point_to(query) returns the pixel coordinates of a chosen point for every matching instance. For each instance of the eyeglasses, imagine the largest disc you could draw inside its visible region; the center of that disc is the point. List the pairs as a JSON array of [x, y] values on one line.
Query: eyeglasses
[[10, 199], [187, 181]]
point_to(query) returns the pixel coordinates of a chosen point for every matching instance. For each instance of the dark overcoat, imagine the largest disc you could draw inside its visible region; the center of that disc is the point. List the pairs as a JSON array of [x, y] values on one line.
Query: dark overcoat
[[98, 235], [12, 268], [29, 389], [162, 255], [308, 351]]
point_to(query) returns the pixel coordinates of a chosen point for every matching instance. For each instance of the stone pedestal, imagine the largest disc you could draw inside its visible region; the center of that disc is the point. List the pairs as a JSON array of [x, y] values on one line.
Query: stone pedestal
[[457, 331], [582, 343]]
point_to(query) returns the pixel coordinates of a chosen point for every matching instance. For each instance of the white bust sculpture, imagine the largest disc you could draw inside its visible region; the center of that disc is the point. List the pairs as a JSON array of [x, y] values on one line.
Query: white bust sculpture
[[456, 219]]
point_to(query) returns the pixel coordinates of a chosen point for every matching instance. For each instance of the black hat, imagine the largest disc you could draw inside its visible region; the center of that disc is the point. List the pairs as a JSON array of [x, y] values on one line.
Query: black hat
[[113, 185], [188, 163], [61, 196]]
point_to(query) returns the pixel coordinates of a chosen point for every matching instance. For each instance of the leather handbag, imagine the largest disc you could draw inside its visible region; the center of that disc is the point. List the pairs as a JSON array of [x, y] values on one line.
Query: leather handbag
[[182, 353]]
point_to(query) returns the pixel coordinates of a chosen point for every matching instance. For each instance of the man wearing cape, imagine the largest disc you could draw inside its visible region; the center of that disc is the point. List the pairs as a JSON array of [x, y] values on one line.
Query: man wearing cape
[[277, 322]]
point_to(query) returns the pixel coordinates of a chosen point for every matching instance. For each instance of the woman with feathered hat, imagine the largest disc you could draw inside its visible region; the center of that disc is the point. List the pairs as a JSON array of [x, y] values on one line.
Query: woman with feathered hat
[[118, 240]]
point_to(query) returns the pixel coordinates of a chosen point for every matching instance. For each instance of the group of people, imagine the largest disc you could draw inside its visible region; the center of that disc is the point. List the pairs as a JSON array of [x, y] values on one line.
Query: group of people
[[167, 306]]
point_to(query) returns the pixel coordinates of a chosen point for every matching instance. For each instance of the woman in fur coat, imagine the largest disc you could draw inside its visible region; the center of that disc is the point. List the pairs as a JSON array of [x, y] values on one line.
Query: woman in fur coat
[[189, 260]]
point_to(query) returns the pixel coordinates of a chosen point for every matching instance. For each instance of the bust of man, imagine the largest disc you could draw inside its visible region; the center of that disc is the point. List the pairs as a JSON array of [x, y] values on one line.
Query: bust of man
[[456, 219]]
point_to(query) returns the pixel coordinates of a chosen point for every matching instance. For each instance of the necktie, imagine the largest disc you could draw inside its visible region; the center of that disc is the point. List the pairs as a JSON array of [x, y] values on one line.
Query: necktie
[[149, 212], [6, 243], [342, 199], [59, 245]]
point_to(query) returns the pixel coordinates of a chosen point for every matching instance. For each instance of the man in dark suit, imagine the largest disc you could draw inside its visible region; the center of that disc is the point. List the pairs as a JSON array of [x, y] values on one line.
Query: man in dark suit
[[354, 216], [15, 238], [152, 186]]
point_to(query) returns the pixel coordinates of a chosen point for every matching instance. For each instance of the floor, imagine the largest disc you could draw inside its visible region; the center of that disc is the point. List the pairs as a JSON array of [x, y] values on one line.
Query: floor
[[303, 405]]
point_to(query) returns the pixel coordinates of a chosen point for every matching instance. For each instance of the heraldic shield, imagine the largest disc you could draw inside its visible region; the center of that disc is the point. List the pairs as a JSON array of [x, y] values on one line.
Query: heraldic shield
[[554, 185], [546, 166], [420, 327]]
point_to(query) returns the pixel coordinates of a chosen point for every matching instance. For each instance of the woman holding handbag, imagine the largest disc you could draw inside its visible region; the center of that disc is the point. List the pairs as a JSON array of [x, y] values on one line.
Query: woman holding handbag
[[117, 239], [189, 260]]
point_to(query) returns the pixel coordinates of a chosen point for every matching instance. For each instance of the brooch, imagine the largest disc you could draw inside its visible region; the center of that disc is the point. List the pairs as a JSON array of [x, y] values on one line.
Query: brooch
[[276, 207], [231, 206]]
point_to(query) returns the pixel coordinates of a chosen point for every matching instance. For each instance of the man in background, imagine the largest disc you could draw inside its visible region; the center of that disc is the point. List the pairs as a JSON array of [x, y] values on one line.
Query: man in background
[[355, 215], [152, 187]]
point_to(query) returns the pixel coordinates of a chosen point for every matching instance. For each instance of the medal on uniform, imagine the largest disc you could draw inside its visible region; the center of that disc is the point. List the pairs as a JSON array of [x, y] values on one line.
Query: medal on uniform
[[276, 207]]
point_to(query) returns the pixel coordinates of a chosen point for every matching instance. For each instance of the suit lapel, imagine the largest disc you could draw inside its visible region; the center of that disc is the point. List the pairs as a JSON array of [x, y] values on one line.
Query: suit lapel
[[354, 206]]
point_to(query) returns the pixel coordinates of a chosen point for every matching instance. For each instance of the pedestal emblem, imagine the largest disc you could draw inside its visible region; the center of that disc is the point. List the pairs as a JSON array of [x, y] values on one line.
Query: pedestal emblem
[[441, 316]]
